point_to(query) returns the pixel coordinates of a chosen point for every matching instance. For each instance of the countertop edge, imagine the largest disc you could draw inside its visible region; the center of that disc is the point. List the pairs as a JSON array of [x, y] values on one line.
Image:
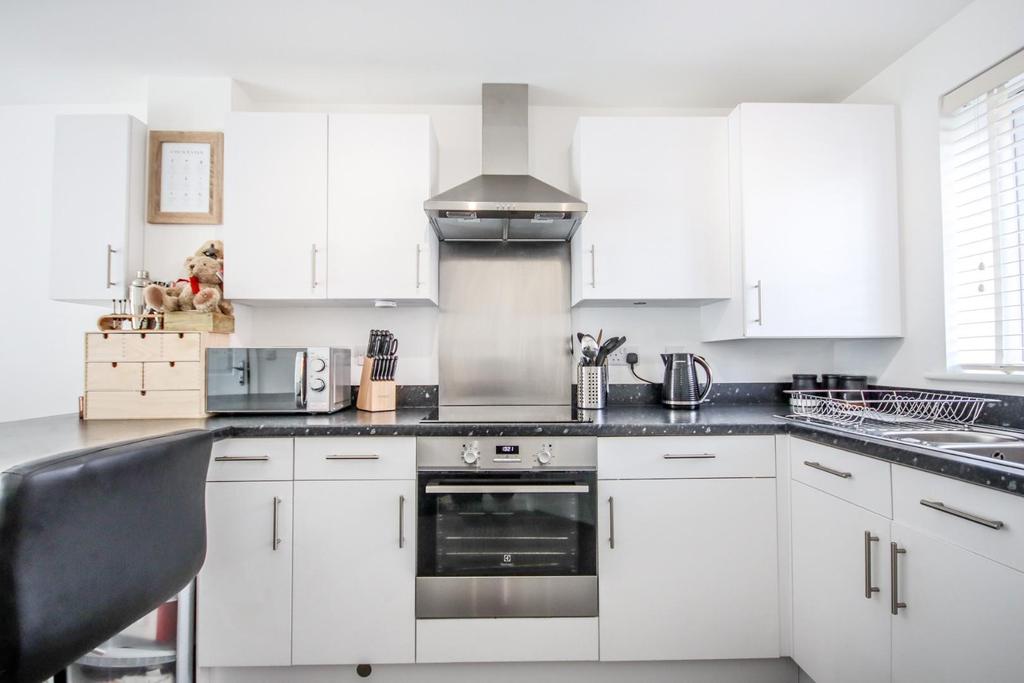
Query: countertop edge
[[639, 422]]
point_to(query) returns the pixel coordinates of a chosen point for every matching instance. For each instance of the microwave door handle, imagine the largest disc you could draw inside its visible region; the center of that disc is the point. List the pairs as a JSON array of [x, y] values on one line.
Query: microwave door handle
[[300, 379]]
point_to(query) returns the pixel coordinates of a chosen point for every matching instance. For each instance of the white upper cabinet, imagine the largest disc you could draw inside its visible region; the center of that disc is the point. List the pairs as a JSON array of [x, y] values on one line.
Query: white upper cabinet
[[657, 225], [329, 207], [275, 213], [815, 233], [381, 167], [99, 198]]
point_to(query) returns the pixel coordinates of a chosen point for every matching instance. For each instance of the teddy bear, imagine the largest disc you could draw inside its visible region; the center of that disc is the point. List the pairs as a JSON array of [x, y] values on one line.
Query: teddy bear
[[211, 248], [200, 291]]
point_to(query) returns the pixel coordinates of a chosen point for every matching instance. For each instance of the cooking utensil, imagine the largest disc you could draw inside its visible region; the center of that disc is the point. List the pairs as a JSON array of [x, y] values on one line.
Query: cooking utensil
[[608, 348], [680, 388], [590, 348]]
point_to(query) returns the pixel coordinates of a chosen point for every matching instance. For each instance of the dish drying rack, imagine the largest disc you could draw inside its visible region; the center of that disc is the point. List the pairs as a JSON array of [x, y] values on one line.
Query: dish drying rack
[[886, 408]]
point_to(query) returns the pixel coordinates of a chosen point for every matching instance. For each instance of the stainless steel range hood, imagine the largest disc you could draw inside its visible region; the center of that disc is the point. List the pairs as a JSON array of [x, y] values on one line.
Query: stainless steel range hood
[[505, 203]]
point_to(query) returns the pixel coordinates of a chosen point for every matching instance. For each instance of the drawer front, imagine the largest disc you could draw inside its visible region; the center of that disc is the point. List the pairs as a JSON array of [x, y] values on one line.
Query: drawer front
[[113, 376], [134, 405], [853, 477], [685, 457], [251, 460], [180, 346], [142, 347], [983, 520], [355, 457], [105, 347], [172, 375]]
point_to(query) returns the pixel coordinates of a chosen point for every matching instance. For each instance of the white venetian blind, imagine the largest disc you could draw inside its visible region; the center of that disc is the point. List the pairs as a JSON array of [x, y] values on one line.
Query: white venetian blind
[[983, 216]]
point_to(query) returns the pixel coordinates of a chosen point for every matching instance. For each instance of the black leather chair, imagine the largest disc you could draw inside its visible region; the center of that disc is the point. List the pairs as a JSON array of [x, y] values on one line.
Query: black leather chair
[[92, 541]]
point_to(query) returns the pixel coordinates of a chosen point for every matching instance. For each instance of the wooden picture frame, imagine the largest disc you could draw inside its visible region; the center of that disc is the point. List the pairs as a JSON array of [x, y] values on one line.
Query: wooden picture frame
[[179, 195]]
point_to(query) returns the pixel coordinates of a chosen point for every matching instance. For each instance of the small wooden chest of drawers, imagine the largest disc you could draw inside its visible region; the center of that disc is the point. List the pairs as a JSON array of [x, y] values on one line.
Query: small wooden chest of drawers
[[146, 375]]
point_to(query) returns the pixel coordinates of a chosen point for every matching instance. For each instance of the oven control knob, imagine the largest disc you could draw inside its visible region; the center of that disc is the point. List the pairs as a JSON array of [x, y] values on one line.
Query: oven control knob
[[544, 455], [319, 365], [471, 453], [318, 384]]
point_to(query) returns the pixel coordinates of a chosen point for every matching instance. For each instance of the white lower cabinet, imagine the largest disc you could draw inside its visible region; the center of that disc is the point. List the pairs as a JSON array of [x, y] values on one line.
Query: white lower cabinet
[[355, 572], [688, 569], [840, 623], [244, 590], [962, 616]]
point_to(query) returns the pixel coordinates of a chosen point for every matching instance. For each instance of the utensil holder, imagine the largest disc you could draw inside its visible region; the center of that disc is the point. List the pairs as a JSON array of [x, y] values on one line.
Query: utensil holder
[[591, 387], [375, 396]]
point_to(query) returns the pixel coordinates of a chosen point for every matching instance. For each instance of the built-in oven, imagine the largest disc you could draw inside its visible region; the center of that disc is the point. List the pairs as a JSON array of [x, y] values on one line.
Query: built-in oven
[[506, 527]]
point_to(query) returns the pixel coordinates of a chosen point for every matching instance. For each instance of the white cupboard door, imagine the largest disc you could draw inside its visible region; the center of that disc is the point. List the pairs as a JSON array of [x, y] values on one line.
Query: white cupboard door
[[275, 213], [244, 590], [820, 223], [962, 616], [98, 212], [693, 573], [657, 225], [355, 572], [380, 241], [840, 624]]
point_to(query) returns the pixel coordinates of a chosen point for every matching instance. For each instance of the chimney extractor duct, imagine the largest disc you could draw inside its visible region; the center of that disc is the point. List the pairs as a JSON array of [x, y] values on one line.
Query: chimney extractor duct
[[505, 202]]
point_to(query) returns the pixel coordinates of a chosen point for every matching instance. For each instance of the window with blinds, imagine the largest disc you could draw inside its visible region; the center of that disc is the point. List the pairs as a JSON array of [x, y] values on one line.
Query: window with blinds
[[983, 217]]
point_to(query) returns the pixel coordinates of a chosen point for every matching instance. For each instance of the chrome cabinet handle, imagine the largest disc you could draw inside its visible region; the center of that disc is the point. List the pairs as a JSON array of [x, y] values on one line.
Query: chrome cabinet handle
[[401, 521], [507, 460], [689, 456], [110, 257], [241, 458], [868, 588], [823, 468], [611, 522], [367, 456], [942, 507], [593, 265], [894, 552], [760, 304], [313, 253], [419, 250], [507, 488], [275, 541]]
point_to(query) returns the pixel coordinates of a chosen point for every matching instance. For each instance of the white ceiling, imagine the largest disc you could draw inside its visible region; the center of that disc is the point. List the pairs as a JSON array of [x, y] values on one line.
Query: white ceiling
[[683, 53]]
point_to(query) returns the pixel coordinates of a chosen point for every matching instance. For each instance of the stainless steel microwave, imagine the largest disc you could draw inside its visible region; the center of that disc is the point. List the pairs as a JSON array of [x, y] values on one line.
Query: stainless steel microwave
[[278, 380]]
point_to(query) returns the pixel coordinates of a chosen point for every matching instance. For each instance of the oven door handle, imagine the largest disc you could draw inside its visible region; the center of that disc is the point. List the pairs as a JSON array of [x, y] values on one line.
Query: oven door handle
[[507, 488]]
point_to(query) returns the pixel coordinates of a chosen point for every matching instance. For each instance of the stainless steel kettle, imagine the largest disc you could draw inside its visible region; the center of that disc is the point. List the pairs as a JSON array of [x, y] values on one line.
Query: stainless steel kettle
[[680, 388]]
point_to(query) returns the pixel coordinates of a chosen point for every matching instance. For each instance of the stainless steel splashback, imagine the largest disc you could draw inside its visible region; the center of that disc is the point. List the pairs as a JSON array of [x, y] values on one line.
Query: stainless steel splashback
[[504, 331]]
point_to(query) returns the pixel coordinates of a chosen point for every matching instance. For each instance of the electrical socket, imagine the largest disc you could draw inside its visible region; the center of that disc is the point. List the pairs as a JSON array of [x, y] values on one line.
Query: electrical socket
[[618, 356]]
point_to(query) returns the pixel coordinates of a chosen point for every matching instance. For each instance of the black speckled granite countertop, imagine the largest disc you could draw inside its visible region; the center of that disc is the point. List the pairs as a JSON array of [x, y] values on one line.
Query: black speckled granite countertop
[[27, 440]]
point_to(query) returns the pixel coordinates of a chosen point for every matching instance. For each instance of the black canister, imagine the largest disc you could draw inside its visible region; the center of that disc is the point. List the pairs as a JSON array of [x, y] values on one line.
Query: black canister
[[831, 381], [803, 383], [853, 386]]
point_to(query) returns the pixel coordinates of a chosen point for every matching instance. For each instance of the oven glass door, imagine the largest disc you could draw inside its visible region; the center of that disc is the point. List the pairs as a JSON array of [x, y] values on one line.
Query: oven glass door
[[243, 380], [507, 524]]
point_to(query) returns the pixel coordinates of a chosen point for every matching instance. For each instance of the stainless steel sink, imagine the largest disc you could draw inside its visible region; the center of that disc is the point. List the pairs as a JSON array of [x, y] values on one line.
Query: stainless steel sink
[[944, 437], [1009, 452]]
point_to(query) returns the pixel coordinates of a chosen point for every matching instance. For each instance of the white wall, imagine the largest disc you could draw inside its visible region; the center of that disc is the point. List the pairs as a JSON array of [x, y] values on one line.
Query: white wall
[[982, 34], [41, 346]]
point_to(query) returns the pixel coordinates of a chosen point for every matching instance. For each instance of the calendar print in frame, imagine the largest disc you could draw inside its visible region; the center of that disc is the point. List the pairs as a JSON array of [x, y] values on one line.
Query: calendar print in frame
[[186, 177]]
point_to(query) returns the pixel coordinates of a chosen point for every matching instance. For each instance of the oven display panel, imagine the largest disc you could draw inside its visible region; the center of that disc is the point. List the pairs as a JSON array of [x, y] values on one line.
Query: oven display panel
[[506, 450]]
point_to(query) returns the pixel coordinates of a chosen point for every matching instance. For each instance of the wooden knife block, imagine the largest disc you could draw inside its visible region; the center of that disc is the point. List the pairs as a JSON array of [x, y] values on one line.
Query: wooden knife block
[[374, 396]]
